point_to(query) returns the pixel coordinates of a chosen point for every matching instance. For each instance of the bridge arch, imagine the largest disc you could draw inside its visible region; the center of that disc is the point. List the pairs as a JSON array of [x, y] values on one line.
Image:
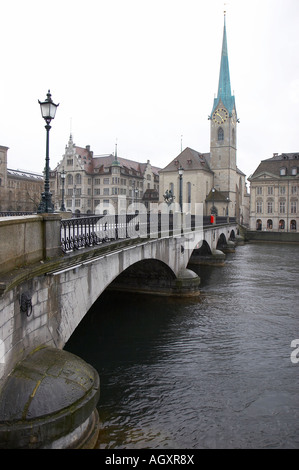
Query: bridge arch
[[148, 275], [221, 242], [62, 290]]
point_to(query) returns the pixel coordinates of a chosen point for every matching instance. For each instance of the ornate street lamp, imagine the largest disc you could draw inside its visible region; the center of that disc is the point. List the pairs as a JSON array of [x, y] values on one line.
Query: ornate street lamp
[[62, 176], [48, 110], [181, 172]]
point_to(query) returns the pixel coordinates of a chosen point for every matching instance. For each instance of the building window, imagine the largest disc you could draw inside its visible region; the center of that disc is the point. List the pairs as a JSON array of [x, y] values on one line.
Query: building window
[[259, 224], [293, 225], [269, 207], [294, 171], [282, 207], [78, 179], [269, 224], [220, 134], [293, 207], [281, 224], [188, 193], [106, 180], [259, 207], [69, 161], [97, 181], [283, 171], [282, 190], [106, 191], [97, 192], [69, 179], [77, 202], [259, 190], [270, 190], [293, 189]]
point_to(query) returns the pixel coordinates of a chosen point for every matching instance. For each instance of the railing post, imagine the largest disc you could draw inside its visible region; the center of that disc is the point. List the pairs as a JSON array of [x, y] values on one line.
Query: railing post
[[51, 235]]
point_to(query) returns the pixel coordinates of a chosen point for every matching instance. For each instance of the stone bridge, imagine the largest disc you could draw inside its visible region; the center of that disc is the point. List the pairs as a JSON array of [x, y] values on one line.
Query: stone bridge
[[45, 298]]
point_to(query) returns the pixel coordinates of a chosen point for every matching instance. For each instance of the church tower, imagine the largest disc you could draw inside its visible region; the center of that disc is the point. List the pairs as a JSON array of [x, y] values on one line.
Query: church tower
[[223, 134]]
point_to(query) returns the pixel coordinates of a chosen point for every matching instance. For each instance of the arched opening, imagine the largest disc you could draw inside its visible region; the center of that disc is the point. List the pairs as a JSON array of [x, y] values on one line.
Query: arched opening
[[281, 224], [269, 224], [146, 275], [203, 250], [259, 224], [221, 244], [293, 225], [232, 235]]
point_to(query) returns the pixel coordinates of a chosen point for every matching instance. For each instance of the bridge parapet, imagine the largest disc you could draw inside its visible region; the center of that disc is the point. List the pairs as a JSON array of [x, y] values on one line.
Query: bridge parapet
[[28, 239]]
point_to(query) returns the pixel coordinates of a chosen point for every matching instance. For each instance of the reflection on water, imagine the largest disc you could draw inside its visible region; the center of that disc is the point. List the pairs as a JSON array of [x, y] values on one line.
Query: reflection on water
[[211, 372]]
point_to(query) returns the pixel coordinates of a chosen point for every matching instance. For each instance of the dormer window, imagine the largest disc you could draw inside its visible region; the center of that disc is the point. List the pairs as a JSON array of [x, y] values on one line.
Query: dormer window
[[294, 171], [283, 171]]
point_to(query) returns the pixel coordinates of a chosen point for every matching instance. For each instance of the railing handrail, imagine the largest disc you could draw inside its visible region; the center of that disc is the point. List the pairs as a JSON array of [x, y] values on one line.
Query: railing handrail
[[86, 231]]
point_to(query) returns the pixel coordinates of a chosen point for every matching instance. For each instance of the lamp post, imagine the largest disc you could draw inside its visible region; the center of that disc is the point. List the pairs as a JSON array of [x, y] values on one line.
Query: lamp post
[[227, 201], [48, 110], [213, 199], [62, 176], [181, 172]]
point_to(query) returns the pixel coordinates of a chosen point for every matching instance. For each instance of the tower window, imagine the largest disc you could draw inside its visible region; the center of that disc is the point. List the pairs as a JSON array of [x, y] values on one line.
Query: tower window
[[220, 134]]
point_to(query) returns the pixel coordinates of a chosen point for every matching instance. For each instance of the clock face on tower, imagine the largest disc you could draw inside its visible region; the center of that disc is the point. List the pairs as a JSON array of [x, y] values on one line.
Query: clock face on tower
[[220, 115]]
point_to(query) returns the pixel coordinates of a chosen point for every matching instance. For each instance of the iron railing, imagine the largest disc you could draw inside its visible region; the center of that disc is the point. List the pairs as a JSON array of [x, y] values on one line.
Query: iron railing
[[82, 232], [15, 213]]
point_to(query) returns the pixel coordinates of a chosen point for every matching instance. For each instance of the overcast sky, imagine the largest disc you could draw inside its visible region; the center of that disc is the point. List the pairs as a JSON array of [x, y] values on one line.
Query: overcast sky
[[145, 72]]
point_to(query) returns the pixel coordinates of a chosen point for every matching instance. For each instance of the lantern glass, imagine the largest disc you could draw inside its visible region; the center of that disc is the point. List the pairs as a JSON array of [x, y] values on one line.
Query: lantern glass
[[48, 108]]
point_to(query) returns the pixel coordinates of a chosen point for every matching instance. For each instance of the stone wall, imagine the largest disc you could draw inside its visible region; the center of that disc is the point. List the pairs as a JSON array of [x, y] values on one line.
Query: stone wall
[[28, 239]]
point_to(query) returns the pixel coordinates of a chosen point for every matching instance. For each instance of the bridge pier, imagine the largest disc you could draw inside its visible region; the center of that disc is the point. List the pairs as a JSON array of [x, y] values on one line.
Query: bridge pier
[[49, 402], [187, 283], [213, 258]]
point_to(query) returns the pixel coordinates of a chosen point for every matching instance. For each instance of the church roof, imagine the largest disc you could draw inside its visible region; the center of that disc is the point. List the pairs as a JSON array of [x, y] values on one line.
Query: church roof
[[189, 159], [224, 88]]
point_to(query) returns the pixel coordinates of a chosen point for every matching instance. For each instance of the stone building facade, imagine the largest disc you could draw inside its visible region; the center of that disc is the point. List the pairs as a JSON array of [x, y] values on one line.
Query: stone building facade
[[213, 178], [94, 182], [20, 190], [274, 194]]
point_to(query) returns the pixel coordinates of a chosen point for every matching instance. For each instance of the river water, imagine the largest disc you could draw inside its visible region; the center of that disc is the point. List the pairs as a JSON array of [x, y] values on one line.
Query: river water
[[213, 372]]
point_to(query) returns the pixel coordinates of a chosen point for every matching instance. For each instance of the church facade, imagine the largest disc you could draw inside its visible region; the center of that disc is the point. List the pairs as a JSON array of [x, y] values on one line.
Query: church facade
[[213, 178]]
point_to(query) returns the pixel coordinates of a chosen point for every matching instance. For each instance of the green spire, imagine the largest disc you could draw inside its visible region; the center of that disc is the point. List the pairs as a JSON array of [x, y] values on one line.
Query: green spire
[[224, 88]]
